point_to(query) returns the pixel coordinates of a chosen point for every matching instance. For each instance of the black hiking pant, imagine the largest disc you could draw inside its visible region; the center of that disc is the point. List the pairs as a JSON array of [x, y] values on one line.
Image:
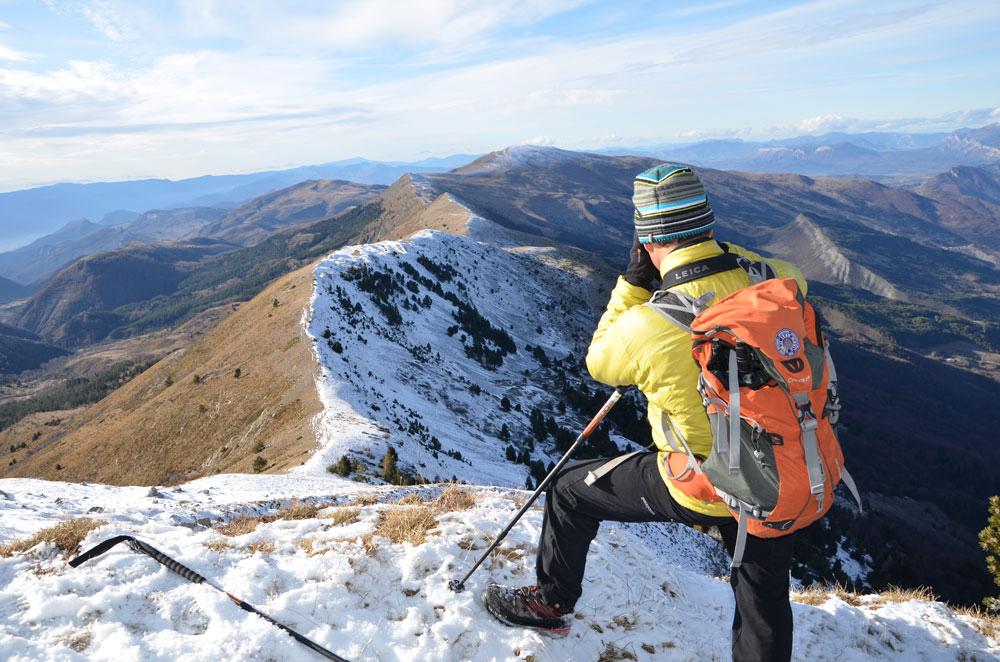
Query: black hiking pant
[[634, 492]]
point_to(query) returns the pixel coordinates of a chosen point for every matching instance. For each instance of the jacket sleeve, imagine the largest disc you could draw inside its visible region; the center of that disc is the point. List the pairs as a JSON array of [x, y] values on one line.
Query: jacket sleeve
[[784, 269], [607, 359]]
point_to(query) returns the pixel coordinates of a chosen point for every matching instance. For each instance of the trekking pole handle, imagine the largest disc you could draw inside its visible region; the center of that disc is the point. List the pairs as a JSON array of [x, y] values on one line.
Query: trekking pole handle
[[457, 586], [594, 422], [169, 563]]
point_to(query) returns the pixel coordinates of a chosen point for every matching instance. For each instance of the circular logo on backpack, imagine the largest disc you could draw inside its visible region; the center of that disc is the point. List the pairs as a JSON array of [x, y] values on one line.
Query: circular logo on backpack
[[787, 342]]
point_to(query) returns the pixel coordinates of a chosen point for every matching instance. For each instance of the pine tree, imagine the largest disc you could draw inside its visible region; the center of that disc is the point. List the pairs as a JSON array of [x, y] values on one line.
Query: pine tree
[[989, 540], [538, 427], [390, 472], [505, 435], [505, 403], [341, 467]]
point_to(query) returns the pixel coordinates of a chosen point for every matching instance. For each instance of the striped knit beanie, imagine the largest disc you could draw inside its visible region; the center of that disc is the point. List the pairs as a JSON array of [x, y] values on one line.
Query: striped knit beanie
[[670, 203]]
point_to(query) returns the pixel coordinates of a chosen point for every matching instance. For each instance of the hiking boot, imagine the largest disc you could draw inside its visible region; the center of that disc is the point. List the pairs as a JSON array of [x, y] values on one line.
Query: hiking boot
[[525, 607]]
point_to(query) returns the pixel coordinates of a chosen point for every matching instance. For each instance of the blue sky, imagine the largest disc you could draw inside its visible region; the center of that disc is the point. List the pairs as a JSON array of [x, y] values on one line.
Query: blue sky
[[108, 89]]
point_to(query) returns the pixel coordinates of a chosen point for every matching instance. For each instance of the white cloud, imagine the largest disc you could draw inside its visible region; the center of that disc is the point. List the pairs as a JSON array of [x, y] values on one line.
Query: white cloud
[[8, 54], [362, 24], [107, 21], [825, 123], [944, 122], [79, 79]]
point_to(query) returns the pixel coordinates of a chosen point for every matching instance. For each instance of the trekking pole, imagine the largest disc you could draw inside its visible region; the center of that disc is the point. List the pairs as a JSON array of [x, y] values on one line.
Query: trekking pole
[[192, 576], [459, 585]]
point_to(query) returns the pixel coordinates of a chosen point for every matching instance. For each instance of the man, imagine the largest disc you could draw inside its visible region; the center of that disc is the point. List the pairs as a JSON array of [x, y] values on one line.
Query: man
[[634, 344]]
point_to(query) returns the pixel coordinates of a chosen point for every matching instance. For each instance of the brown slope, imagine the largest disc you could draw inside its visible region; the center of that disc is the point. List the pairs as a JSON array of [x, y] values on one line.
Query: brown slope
[[295, 206], [150, 433], [163, 427]]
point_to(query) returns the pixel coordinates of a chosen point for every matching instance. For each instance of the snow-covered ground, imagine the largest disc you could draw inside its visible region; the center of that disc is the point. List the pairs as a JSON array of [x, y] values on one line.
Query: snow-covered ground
[[373, 599]]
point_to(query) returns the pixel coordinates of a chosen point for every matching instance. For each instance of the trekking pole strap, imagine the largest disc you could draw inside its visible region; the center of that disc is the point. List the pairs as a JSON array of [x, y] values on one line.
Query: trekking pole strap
[[604, 469], [97, 550], [143, 548], [741, 538]]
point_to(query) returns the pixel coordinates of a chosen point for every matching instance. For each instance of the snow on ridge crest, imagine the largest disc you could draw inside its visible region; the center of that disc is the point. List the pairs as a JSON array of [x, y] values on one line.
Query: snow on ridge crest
[[419, 340]]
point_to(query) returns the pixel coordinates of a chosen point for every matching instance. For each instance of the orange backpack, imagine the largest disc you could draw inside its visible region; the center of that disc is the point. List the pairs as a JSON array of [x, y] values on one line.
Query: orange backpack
[[769, 388]]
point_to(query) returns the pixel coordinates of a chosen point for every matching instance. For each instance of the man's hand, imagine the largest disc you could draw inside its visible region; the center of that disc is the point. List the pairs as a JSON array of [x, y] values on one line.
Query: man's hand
[[640, 271]]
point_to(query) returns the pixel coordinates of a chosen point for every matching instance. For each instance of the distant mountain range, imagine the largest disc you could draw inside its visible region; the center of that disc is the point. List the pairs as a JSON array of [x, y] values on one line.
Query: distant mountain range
[[42, 210], [885, 156], [297, 205]]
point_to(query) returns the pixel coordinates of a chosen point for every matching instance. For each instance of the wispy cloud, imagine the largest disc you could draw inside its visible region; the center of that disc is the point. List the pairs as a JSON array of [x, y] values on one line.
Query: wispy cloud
[[361, 24], [107, 21], [8, 54]]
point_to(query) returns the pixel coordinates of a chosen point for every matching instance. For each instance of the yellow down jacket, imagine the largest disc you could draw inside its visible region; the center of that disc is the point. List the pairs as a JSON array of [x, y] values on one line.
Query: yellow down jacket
[[633, 344]]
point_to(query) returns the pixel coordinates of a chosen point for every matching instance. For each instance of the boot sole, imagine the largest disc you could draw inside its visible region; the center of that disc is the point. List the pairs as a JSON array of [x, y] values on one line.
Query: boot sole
[[557, 632]]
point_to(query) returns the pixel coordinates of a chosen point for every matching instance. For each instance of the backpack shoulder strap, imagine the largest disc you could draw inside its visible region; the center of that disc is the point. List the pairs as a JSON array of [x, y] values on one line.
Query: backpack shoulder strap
[[679, 308]]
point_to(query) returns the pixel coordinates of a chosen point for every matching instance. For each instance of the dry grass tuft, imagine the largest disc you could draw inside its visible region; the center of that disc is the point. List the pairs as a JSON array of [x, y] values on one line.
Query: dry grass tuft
[[367, 499], [240, 526], [299, 511], [259, 547], [79, 641], [817, 594], [612, 653], [455, 498], [509, 553], [343, 515], [987, 623], [898, 594], [66, 536], [468, 543], [368, 544], [412, 499], [850, 597], [217, 546], [407, 524], [813, 595], [625, 622]]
